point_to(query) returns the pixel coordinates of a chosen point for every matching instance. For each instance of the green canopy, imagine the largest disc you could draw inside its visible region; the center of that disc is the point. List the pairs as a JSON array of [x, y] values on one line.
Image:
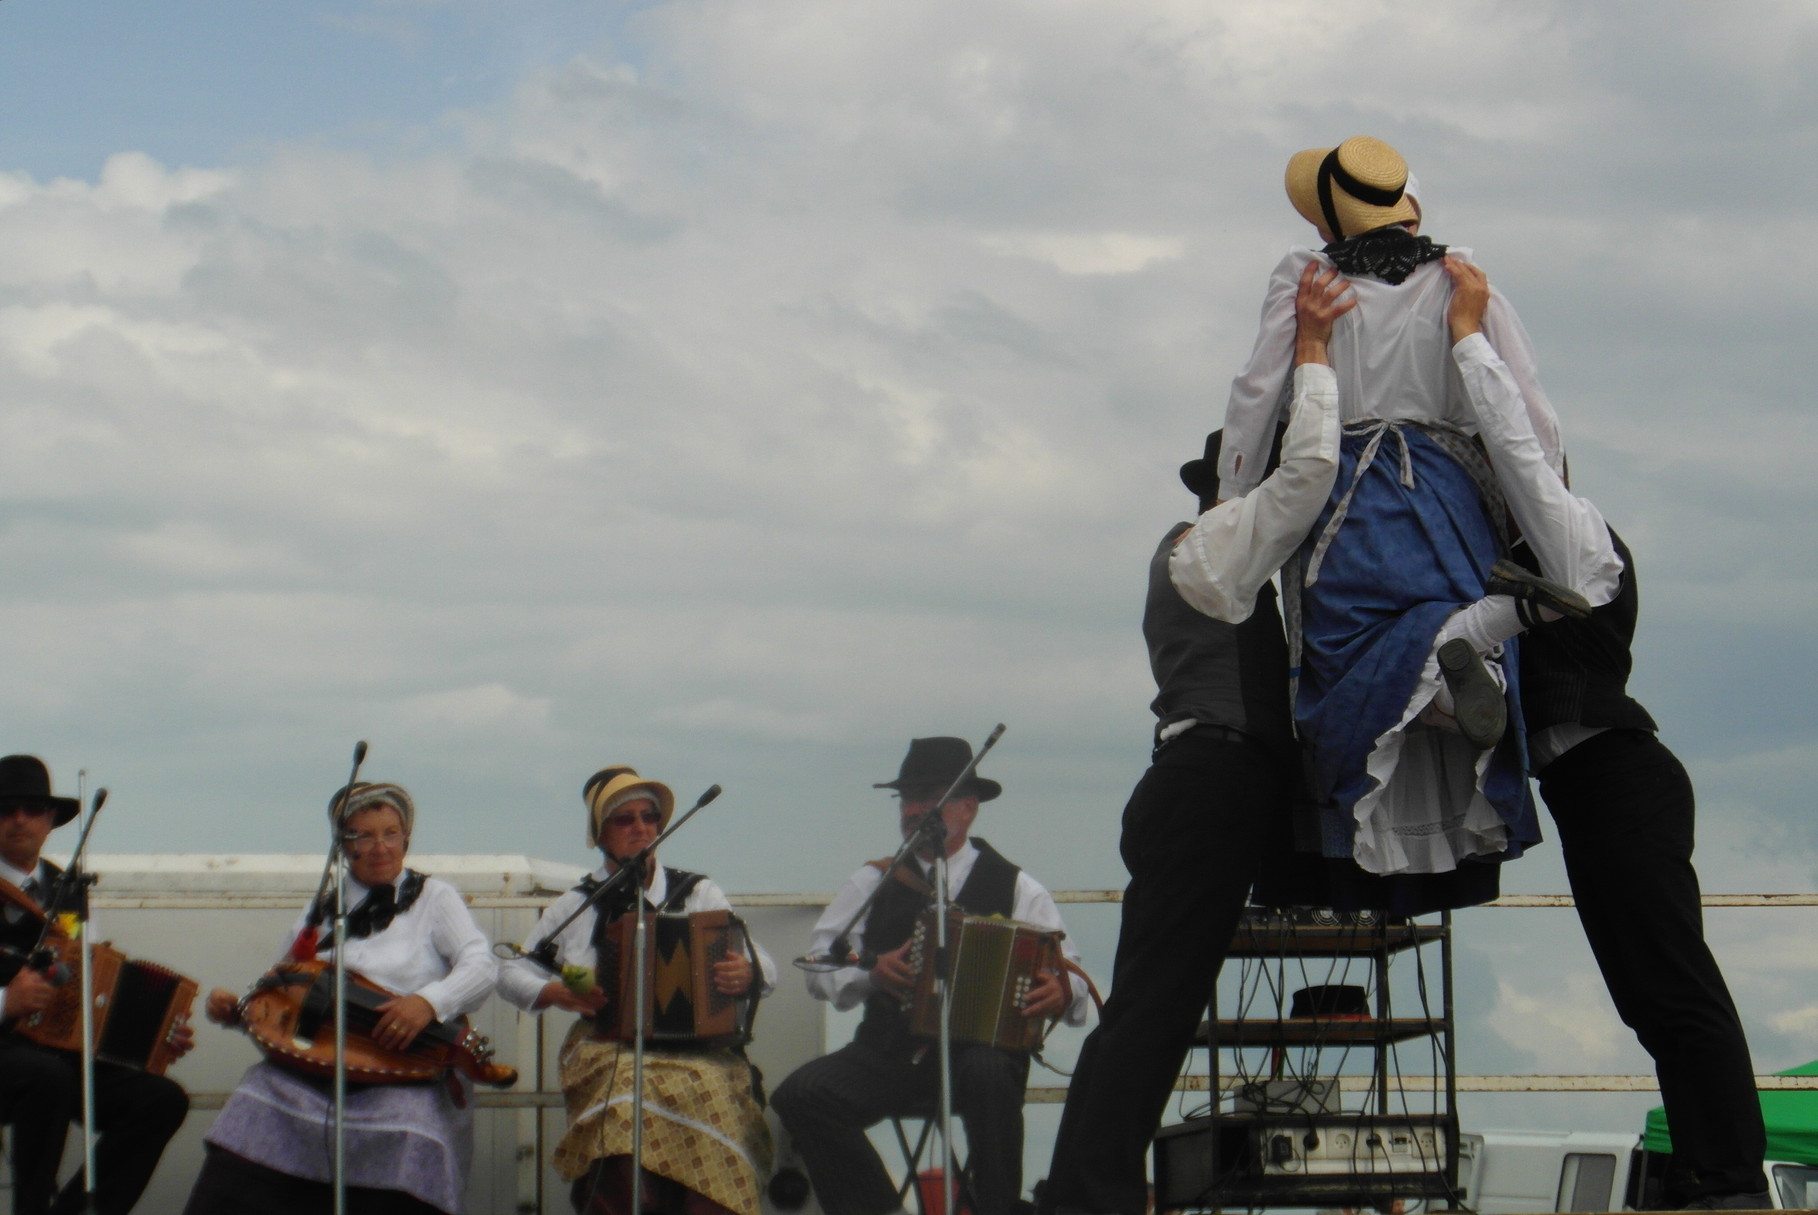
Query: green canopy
[[1791, 1117]]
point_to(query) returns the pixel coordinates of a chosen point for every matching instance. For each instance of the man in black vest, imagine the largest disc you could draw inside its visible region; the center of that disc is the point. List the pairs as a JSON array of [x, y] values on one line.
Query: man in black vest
[[1624, 808], [828, 1103], [40, 1088], [1220, 778]]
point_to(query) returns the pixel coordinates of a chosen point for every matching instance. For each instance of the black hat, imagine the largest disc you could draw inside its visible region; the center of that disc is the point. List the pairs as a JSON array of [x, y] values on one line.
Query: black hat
[[25, 781], [938, 761], [1201, 476]]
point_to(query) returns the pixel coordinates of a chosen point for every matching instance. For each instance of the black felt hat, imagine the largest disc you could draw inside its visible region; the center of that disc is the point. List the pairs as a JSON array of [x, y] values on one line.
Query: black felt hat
[[25, 781], [938, 762], [1201, 476]]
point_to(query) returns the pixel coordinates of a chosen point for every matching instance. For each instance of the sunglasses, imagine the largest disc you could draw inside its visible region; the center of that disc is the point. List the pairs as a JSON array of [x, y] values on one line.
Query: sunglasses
[[649, 818], [28, 809]]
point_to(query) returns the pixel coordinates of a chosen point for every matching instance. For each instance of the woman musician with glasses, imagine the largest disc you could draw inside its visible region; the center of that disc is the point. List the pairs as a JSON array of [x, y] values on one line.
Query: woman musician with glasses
[[408, 1144], [689, 1083]]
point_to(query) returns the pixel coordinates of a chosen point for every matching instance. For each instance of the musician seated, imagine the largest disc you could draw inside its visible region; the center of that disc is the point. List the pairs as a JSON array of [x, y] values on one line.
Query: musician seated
[[136, 1112], [828, 1103], [408, 1146], [687, 1086]]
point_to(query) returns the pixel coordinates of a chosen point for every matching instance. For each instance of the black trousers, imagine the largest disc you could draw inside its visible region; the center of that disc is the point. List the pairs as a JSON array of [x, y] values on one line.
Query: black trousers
[[1193, 835], [1624, 808], [41, 1094], [827, 1104]]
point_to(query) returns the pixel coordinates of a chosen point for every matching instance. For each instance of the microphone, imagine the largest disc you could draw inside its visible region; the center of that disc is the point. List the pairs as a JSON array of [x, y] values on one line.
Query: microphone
[[359, 753], [100, 801], [713, 791]]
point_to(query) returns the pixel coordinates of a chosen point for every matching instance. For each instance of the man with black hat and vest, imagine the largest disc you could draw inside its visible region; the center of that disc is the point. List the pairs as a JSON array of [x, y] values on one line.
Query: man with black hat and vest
[[1220, 778], [827, 1104], [40, 1088]]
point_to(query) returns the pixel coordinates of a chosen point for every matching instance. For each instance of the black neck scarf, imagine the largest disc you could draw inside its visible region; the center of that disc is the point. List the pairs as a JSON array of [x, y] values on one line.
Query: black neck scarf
[[1389, 254], [382, 905]]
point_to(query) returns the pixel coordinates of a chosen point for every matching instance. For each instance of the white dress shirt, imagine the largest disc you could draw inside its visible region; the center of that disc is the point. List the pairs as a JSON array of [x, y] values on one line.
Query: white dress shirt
[[434, 950], [1392, 356], [848, 987], [19, 877], [521, 981], [1225, 557]]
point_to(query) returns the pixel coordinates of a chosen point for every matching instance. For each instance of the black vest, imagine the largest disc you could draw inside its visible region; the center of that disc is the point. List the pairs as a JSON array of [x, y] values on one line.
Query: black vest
[[1578, 670], [1222, 674], [990, 889]]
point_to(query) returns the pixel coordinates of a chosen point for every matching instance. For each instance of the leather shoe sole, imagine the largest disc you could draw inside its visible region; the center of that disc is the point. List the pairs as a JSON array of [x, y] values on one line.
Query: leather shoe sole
[[1507, 578], [1477, 703]]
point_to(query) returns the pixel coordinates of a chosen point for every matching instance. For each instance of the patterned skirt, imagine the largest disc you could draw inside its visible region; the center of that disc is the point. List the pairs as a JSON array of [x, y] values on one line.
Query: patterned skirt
[[702, 1127]]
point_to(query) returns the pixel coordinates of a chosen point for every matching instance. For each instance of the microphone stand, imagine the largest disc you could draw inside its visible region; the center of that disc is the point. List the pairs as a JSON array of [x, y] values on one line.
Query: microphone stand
[[337, 866], [931, 829], [543, 953], [640, 956], [75, 883]]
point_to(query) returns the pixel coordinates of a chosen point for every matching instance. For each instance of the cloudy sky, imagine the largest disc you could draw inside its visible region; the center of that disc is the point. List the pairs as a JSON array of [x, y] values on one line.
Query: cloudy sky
[[739, 388]]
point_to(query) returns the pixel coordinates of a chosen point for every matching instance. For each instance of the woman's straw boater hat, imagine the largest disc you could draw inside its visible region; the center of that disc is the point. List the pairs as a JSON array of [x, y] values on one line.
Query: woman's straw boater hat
[[610, 788], [1359, 186]]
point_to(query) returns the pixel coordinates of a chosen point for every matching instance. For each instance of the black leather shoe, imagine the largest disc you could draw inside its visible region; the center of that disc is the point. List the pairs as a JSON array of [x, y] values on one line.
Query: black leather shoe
[[1530, 590], [1758, 1201], [1477, 702]]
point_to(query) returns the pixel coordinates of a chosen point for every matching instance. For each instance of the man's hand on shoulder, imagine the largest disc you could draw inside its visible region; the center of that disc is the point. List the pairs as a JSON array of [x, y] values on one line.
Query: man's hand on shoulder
[[1470, 297], [1318, 304]]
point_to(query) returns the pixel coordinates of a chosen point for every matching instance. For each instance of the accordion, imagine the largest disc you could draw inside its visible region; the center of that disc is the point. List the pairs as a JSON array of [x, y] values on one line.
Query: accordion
[[992, 964], [680, 1002], [136, 1005]]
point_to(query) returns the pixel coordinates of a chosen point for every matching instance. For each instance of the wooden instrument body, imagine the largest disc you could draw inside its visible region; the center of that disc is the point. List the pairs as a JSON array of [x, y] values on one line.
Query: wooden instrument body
[[681, 1004], [290, 1016], [992, 964], [136, 1006]]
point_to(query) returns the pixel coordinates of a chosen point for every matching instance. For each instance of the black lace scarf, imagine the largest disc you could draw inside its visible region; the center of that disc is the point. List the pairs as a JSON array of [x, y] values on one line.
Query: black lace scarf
[[1390, 254], [378, 909]]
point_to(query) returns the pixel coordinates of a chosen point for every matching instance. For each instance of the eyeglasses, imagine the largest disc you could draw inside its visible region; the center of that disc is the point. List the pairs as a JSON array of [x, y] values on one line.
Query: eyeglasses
[[366, 841], [649, 818]]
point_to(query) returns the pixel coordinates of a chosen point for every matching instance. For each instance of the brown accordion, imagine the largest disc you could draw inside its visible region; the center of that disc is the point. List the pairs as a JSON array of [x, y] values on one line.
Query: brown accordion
[[680, 1003], [136, 1006], [993, 964]]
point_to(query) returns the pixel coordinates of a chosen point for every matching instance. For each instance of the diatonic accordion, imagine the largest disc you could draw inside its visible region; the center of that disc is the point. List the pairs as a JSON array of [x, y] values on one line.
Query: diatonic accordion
[[992, 964]]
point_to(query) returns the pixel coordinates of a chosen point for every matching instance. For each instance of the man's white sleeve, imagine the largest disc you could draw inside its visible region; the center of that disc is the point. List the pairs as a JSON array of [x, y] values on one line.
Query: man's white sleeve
[[1224, 559], [1567, 533], [848, 986]]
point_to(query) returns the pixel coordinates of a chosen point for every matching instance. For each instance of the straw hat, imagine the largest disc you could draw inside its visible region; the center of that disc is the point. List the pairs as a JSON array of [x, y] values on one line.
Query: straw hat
[[628, 786], [1357, 187]]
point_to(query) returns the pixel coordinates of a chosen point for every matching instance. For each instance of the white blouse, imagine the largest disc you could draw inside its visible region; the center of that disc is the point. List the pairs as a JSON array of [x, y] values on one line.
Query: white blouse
[[434, 950]]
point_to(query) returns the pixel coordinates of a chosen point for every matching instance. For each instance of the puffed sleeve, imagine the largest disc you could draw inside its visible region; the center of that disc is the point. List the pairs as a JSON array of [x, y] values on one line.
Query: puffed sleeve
[[1260, 391]]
